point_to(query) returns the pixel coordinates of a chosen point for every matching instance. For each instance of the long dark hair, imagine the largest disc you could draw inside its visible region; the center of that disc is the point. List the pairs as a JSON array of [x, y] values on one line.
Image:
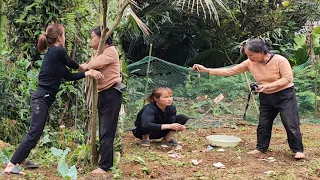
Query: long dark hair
[[258, 46], [97, 31], [50, 36]]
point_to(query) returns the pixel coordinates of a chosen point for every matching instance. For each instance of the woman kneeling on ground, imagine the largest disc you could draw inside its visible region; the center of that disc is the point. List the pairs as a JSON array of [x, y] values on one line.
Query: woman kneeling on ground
[[277, 93], [158, 119]]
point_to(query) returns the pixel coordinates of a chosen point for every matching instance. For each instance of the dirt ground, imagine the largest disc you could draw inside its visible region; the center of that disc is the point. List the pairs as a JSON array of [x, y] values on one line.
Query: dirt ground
[[154, 162]]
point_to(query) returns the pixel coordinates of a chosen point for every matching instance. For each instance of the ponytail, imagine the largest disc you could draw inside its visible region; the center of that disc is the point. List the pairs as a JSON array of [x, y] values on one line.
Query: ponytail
[[42, 43], [53, 31], [150, 98]]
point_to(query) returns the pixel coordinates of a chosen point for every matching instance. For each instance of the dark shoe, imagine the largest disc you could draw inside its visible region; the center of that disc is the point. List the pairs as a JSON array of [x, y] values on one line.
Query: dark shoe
[[145, 143], [172, 142], [30, 165]]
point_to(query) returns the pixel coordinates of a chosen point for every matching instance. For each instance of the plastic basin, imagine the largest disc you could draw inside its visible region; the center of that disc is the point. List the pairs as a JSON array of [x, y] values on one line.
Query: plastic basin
[[223, 140]]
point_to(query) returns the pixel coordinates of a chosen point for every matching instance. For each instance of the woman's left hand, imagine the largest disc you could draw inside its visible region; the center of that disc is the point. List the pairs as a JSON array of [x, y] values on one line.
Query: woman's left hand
[[262, 87]]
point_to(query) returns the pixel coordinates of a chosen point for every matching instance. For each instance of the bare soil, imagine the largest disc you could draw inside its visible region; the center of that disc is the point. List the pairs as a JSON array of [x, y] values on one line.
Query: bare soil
[[239, 165], [154, 162]]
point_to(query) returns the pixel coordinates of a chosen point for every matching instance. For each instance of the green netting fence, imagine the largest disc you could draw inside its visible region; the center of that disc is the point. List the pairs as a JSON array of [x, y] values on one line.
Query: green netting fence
[[189, 89]]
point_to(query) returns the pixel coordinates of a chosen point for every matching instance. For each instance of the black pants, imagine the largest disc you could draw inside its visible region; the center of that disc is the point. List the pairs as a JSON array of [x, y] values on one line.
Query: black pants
[[270, 105], [109, 104], [138, 131], [40, 104]]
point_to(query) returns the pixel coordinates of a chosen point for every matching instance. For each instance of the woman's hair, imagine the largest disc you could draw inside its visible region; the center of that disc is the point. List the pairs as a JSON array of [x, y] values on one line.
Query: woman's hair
[[50, 36], [258, 46], [157, 92], [97, 31]]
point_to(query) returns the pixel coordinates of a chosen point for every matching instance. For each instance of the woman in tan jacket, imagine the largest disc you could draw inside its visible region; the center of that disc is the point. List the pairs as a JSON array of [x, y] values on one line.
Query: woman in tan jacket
[[109, 97], [277, 94]]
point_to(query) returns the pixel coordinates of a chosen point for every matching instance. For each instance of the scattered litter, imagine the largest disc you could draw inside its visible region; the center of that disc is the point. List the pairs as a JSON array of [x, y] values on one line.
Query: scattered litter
[[178, 148], [219, 165], [221, 150], [269, 172], [233, 127], [170, 152], [164, 146], [201, 98], [175, 155], [238, 157], [269, 159], [209, 148], [196, 162], [218, 98]]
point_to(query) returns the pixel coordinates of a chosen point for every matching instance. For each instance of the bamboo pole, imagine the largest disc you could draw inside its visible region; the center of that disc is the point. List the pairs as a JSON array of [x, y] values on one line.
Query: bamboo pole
[[147, 75], [94, 116], [316, 84], [252, 95]]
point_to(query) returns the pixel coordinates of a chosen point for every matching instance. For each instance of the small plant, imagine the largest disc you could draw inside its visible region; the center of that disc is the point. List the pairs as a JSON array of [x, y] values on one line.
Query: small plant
[[138, 159], [63, 168], [5, 155]]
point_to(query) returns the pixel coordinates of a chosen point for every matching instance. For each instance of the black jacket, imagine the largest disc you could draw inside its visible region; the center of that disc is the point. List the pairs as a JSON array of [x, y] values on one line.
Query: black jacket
[[152, 117]]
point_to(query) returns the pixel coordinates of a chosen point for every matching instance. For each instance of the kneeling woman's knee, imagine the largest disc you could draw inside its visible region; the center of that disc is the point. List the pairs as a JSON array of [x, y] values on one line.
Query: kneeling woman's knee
[[182, 119]]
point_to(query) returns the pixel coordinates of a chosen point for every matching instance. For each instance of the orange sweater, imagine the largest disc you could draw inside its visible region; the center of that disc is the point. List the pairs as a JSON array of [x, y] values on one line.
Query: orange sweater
[[109, 65], [276, 74]]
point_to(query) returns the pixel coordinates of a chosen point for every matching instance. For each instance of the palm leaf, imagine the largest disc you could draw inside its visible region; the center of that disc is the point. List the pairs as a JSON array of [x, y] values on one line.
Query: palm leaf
[[205, 7]]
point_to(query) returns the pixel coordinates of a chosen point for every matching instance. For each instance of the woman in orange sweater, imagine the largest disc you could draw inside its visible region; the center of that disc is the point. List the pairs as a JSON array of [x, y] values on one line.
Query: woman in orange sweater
[[277, 93]]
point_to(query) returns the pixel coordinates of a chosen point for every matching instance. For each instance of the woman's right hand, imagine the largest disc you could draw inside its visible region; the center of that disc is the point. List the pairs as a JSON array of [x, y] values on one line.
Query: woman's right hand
[[94, 74], [177, 127], [200, 68]]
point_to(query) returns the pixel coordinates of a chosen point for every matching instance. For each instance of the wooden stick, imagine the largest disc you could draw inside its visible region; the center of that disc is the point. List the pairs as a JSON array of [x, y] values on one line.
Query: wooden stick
[[147, 76], [252, 95]]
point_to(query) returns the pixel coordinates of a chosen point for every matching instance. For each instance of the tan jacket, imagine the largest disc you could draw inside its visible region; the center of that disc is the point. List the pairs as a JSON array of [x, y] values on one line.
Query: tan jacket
[[277, 73], [109, 65]]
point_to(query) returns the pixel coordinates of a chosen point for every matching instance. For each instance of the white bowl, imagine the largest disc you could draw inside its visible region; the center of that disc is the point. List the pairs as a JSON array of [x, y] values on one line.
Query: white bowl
[[223, 140]]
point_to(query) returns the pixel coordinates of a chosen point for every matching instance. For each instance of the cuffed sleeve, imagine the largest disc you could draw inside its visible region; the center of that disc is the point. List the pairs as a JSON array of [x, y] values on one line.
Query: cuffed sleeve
[[73, 76]]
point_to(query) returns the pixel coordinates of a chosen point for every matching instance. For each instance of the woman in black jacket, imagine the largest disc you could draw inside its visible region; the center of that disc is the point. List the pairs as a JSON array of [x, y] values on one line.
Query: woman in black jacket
[[158, 119], [52, 71]]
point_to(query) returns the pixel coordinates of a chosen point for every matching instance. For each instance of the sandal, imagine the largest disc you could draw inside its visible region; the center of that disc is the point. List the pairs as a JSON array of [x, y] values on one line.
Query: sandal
[[15, 170], [145, 143], [29, 165]]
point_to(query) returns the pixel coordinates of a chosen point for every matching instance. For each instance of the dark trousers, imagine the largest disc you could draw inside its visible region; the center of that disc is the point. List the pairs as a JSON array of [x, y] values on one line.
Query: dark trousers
[[40, 104], [109, 104], [138, 131], [270, 105]]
